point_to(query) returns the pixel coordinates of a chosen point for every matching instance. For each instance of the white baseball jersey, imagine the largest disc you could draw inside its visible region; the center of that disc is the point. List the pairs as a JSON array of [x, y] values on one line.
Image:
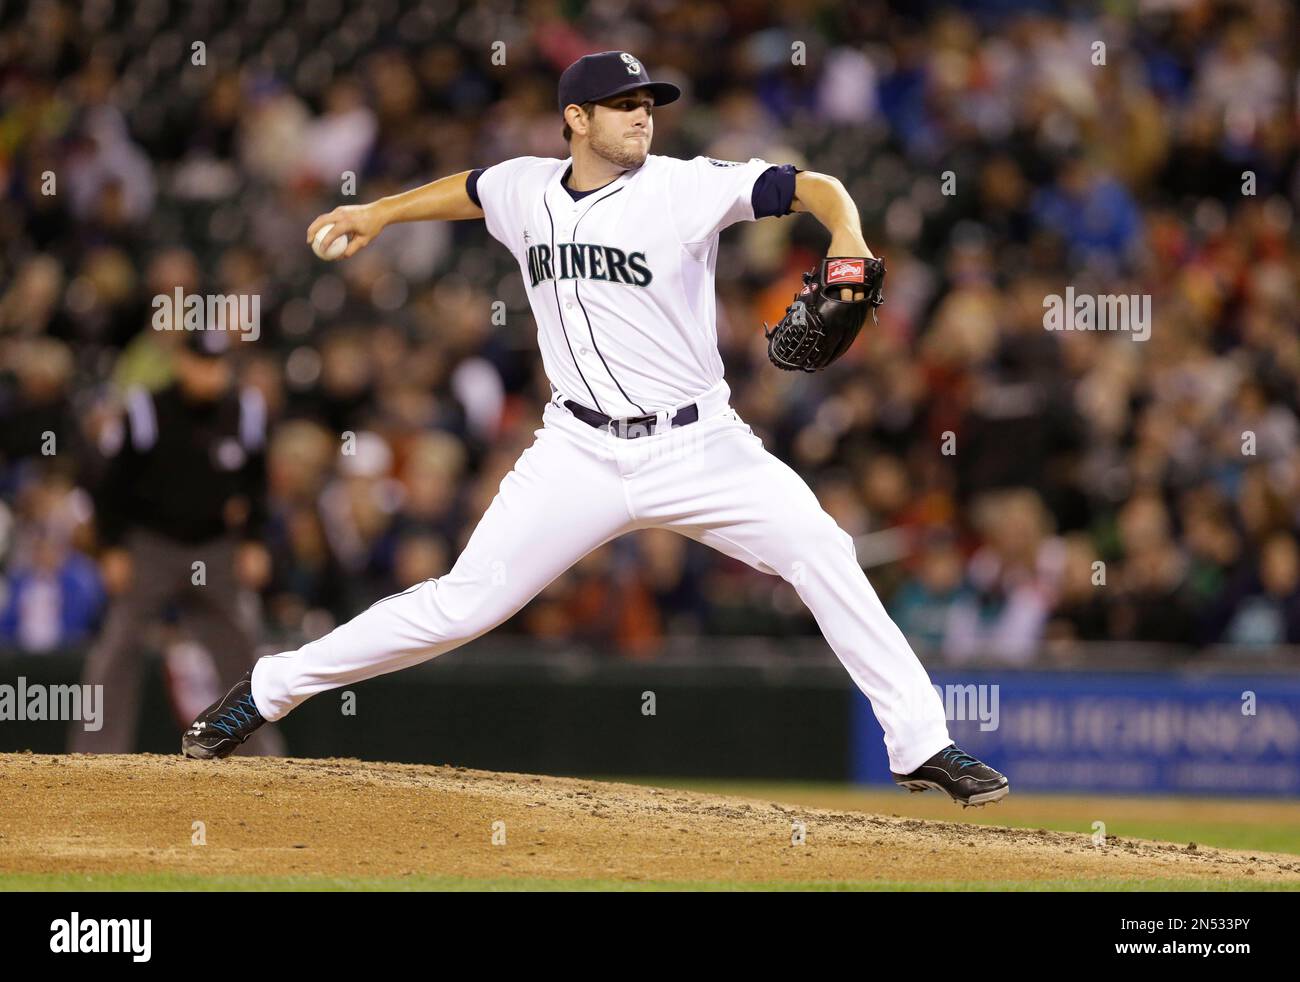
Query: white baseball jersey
[[621, 280]]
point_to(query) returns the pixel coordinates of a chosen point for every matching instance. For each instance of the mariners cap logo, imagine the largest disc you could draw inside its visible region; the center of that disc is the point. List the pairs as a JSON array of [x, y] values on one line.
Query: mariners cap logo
[[633, 66]]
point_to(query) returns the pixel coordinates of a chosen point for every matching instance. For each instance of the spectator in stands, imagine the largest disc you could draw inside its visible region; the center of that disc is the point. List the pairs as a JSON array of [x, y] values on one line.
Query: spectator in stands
[[923, 606], [52, 596], [1010, 581], [1269, 613]]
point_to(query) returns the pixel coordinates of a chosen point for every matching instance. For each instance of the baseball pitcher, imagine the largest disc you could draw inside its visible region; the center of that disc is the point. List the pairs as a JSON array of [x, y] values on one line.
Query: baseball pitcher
[[617, 248]]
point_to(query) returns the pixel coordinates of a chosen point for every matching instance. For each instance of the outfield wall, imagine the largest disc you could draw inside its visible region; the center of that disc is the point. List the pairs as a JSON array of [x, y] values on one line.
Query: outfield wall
[[768, 709]]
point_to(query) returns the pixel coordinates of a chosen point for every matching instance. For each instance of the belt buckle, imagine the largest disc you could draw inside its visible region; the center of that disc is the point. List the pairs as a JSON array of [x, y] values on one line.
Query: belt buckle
[[626, 429], [659, 421]]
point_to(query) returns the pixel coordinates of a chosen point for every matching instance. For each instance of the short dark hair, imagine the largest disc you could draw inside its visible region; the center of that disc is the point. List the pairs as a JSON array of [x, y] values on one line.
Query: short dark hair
[[587, 109]]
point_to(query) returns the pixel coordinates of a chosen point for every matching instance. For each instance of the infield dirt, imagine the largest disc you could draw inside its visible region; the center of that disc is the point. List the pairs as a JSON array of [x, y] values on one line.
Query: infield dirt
[[348, 818]]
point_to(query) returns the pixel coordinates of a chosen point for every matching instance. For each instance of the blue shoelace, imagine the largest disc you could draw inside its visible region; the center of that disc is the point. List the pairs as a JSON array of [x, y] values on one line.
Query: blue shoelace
[[242, 712], [959, 757]]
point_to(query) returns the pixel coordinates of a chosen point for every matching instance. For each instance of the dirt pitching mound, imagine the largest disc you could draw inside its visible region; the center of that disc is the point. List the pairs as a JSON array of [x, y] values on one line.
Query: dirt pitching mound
[[348, 818]]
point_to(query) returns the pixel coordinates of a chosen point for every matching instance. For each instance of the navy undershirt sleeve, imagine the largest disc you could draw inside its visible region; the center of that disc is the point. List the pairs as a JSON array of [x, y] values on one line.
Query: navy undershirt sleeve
[[774, 191], [471, 186]]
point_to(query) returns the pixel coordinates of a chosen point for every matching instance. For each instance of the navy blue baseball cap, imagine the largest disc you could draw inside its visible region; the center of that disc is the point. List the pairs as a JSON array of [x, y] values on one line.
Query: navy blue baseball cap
[[602, 76]]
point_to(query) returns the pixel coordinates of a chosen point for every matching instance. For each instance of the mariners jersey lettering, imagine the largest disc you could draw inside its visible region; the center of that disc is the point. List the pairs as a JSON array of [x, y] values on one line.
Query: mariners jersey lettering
[[583, 260], [621, 281]]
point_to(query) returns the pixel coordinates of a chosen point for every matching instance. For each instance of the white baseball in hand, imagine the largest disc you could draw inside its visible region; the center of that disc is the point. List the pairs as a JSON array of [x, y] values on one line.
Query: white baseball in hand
[[337, 247]]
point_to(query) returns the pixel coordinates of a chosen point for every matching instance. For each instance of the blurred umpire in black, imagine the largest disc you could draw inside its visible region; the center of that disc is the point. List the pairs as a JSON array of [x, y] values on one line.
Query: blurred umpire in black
[[185, 483]]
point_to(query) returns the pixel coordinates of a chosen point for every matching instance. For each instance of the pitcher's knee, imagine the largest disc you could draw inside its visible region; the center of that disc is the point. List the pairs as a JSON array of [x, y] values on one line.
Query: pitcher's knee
[[816, 545], [463, 610], [848, 544]]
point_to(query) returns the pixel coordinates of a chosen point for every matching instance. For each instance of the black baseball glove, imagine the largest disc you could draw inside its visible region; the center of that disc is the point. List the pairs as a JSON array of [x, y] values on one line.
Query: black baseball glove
[[819, 326]]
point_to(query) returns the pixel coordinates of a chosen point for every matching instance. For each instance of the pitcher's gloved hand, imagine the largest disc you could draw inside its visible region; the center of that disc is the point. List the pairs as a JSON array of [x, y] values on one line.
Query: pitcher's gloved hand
[[826, 314]]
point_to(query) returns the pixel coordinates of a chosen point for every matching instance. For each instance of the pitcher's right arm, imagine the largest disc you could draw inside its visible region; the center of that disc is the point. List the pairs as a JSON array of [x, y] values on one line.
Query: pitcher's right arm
[[443, 200]]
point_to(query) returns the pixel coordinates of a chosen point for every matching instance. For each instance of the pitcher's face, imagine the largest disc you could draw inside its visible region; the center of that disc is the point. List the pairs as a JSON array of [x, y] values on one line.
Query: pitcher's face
[[622, 128]]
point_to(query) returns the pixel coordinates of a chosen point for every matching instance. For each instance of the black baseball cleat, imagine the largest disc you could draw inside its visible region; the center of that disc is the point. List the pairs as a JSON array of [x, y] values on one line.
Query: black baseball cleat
[[224, 725], [958, 775]]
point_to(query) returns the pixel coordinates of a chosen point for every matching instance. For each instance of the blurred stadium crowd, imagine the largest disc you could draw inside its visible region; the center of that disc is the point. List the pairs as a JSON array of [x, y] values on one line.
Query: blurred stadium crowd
[[985, 464]]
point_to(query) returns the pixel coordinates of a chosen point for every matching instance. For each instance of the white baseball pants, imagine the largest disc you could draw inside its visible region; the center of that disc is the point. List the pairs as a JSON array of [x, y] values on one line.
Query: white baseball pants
[[578, 487]]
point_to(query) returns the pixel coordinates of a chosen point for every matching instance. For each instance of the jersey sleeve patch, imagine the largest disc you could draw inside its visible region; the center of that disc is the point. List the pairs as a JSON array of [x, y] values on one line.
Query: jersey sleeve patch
[[707, 195]]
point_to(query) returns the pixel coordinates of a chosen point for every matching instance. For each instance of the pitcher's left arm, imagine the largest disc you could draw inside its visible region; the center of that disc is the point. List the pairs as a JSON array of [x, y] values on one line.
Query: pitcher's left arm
[[827, 200]]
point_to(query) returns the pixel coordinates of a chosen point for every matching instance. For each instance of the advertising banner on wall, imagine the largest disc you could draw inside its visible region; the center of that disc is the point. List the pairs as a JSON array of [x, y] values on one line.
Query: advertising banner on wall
[[1121, 732]]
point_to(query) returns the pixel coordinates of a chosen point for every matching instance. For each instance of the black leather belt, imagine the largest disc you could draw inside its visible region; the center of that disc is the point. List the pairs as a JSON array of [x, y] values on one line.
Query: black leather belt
[[630, 427]]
